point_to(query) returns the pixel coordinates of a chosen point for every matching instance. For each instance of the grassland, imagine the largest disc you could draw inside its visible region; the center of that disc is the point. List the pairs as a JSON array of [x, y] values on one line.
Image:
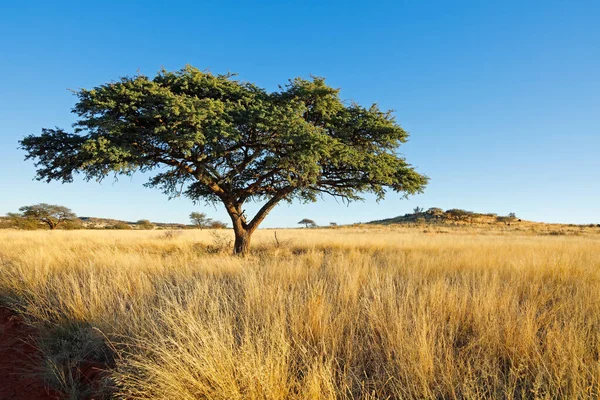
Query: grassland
[[361, 313]]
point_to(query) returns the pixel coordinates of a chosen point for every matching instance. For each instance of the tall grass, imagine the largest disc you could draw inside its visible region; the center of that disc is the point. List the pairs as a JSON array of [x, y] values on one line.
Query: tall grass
[[359, 313]]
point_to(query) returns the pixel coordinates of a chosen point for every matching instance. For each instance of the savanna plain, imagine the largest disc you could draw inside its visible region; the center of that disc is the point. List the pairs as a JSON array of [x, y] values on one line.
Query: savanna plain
[[347, 313]]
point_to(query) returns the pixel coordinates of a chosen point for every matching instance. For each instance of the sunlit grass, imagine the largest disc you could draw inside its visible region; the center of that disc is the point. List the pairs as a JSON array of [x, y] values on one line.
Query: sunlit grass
[[360, 312]]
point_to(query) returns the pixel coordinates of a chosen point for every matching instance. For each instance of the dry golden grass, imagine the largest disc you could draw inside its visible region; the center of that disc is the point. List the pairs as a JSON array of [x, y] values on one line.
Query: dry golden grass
[[361, 313]]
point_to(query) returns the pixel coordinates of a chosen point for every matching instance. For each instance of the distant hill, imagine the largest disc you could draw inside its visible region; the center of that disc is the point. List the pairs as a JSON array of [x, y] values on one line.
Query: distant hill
[[454, 216]]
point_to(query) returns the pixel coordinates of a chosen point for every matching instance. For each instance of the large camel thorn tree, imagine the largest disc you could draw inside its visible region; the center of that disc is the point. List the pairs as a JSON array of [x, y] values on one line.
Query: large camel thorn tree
[[214, 138]]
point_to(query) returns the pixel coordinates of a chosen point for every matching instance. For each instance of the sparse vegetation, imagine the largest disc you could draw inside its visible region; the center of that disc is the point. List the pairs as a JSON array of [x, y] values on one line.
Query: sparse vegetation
[[362, 313]]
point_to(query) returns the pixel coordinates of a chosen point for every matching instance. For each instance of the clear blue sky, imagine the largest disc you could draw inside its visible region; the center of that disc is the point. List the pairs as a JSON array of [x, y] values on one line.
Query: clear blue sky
[[502, 98]]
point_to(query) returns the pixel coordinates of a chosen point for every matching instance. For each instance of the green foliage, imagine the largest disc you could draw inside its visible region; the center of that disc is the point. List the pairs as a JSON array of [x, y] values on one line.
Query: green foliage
[[216, 139], [50, 214]]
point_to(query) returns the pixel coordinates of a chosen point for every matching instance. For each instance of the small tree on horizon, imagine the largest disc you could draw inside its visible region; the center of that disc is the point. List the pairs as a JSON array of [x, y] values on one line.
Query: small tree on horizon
[[308, 223], [217, 139], [49, 214], [200, 220]]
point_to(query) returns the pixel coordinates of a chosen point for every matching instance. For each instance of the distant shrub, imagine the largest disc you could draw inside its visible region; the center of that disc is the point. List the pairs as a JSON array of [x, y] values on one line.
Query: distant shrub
[[435, 211], [145, 224], [506, 219], [119, 225], [217, 225], [20, 222], [72, 225], [557, 233], [459, 214]]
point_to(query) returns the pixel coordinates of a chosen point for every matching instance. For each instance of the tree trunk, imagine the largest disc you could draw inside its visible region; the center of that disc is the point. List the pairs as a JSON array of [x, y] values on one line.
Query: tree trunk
[[242, 242], [243, 230]]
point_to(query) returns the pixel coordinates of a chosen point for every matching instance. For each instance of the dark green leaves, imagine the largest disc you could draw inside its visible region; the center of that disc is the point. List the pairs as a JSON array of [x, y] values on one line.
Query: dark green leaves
[[213, 137]]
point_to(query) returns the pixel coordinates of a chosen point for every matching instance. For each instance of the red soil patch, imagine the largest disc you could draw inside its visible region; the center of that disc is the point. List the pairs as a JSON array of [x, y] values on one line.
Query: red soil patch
[[18, 360]]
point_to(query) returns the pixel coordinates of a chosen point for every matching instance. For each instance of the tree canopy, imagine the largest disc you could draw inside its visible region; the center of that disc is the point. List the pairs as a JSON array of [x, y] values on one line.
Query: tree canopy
[[200, 219], [50, 214], [307, 222], [217, 139]]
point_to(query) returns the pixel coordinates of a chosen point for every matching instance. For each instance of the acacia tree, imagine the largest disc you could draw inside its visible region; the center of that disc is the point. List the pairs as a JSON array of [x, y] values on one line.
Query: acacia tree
[[50, 214], [200, 219], [217, 139], [308, 222]]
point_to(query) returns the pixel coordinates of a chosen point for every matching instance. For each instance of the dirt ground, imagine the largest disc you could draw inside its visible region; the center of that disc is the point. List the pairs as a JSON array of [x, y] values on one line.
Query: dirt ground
[[18, 361]]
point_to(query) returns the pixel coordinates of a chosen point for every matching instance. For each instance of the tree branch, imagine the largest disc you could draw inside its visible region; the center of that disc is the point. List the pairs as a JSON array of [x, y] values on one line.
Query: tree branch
[[262, 213]]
